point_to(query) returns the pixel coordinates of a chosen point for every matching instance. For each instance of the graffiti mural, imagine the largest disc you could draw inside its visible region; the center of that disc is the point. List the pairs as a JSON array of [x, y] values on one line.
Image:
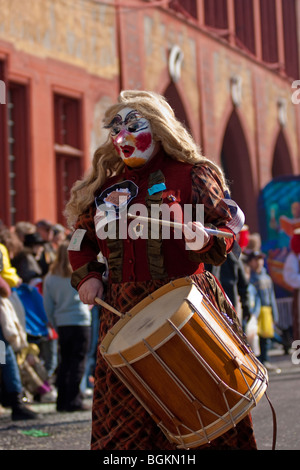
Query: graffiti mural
[[279, 215]]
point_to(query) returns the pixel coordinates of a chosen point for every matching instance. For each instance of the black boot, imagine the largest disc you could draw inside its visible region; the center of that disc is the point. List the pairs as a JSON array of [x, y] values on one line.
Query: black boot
[[19, 410]]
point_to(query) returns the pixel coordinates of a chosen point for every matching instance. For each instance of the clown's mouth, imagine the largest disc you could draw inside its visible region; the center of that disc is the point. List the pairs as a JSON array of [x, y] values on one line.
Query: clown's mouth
[[127, 150]]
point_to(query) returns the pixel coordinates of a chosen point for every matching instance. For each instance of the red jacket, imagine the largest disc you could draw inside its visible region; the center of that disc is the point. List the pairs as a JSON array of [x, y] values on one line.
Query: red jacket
[[171, 182]]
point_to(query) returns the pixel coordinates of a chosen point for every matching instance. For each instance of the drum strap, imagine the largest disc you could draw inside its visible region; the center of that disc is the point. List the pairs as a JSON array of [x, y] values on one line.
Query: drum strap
[[274, 422]]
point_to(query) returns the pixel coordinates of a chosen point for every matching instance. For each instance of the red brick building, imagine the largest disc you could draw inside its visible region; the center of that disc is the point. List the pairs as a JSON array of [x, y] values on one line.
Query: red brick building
[[226, 66]]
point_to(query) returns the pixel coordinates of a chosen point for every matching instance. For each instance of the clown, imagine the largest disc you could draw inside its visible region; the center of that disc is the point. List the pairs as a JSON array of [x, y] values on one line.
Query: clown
[[151, 158]]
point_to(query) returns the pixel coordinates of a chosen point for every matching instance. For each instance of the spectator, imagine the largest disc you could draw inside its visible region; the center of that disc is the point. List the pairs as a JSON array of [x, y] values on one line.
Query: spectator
[[263, 284], [254, 243], [72, 319], [251, 328], [59, 235], [235, 284], [8, 246], [29, 293], [11, 384], [23, 228], [25, 260], [233, 279], [47, 255]]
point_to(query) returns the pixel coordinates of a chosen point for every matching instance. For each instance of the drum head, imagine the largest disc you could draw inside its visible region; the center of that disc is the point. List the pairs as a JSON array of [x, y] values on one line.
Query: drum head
[[149, 319]]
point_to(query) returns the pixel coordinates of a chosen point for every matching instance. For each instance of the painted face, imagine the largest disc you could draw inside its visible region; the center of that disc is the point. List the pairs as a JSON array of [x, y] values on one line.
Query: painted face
[[132, 137]]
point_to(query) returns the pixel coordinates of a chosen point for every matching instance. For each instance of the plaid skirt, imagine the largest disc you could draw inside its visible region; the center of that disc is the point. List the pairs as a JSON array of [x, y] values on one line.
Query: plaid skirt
[[119, 421]]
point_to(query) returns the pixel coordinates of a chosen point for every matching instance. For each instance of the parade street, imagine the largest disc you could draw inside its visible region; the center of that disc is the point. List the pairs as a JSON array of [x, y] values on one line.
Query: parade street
[[71, 431], [284, 394]]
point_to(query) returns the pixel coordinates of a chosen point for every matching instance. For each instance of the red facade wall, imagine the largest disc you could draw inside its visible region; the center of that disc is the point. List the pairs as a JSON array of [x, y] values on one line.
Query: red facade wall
[[245, 137], [44, 78]]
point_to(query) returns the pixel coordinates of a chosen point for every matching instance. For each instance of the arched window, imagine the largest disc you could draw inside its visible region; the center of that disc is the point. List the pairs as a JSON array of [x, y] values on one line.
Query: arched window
[[282, 165], [174, 100], [235, 161]]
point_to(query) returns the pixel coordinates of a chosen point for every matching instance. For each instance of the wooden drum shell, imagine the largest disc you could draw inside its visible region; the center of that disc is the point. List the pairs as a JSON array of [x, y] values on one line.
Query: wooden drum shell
[[194, 376]]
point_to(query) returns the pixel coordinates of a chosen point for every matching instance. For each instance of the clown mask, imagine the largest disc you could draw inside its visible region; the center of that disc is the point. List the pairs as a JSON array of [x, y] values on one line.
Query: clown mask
[[132, 137]]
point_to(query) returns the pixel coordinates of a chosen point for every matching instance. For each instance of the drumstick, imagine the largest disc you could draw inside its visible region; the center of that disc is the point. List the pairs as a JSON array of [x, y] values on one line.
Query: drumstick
[[168, 223], [109, 307]]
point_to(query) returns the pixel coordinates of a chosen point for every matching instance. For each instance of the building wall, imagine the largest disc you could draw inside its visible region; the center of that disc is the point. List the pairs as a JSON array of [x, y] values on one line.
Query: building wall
[[210, 67], [53, 48], [237, 107]]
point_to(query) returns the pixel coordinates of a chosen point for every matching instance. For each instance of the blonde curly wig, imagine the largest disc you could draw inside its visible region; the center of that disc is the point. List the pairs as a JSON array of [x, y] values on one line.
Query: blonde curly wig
[[166, 129]]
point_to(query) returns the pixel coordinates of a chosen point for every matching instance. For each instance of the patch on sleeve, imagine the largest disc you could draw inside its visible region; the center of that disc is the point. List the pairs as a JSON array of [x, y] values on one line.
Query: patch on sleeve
[[76, 239]]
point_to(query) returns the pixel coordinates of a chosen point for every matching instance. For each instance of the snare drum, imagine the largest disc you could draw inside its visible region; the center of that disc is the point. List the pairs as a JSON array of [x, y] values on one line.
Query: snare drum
[[181, 359]]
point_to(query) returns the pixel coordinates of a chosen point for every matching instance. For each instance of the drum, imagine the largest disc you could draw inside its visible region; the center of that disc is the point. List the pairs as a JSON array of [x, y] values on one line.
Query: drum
[[181, 359]]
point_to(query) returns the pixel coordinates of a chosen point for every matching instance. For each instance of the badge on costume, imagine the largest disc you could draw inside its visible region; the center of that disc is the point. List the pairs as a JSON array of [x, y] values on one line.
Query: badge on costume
[[76, 239], [112, 202]]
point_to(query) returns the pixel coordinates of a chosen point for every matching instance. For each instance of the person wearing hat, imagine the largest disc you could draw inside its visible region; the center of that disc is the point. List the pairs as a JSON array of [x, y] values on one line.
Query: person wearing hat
[[265, 293], [25, 260], [291, 275]]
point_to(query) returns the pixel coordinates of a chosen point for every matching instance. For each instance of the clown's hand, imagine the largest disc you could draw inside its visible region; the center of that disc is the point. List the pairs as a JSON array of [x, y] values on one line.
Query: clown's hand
[[195, 236], [90, 289]]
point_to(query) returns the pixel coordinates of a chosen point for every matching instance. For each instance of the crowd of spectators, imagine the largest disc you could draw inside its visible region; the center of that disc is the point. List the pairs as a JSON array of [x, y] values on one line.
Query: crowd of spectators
[[41, 321]]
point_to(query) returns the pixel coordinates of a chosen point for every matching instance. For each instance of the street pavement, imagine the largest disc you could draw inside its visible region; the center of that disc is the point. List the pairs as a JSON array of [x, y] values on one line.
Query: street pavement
[[71, 431], [284, 394], [52, 431]]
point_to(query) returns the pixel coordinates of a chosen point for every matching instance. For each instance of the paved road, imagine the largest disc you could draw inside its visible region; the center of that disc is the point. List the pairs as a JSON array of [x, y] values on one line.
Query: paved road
[[284, 394], [71, 431], [59, 431]]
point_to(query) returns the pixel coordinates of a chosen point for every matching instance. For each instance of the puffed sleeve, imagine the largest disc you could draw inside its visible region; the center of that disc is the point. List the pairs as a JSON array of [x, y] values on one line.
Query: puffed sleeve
[[84, 250], [207, 190]]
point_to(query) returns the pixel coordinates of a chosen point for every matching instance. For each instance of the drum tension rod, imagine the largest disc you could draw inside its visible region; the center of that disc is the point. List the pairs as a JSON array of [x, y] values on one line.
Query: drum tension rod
[[223, 386], [238, 363]]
